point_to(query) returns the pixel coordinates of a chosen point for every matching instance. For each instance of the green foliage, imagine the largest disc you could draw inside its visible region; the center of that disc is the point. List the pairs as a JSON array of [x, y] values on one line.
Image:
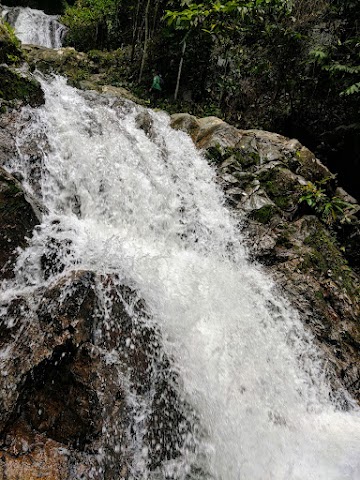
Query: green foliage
[[354, 88], [11, 33], [329, 209], [91, 23], [10, 46], [323, 59], [325, 258], [218, 17], [318, 55]]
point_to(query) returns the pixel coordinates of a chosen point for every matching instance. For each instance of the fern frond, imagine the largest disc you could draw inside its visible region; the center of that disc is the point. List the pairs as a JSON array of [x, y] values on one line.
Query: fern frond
[[355, 88]]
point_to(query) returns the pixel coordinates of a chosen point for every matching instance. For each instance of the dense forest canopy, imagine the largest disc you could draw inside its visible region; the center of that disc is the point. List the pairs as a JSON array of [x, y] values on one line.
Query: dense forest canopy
[[290, 66]]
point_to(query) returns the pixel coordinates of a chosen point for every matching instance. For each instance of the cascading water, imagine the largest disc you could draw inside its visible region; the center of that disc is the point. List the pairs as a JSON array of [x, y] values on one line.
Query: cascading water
[[144, 208], [35, 27], [147, 208]]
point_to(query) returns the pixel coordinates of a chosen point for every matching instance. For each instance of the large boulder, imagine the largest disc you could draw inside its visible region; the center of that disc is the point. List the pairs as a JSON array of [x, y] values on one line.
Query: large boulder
[[84, 384], [313, 256]]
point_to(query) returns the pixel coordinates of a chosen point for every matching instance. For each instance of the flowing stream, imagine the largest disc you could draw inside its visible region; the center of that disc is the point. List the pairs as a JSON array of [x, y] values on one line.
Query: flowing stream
[[146, 208]]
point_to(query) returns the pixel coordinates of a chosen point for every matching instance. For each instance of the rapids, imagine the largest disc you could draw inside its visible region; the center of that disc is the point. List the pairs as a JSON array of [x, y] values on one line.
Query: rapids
[[146, 208]]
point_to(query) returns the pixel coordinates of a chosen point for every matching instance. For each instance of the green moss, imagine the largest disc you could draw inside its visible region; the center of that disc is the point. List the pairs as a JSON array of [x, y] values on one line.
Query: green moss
[[319, 295], [105, 60], [215, 155], [15, 87], [284, 240], [281, 187], [11, 197], [10, 51], [246, 159], [240, 156], [325, 258], [263, 214], [12, 189]]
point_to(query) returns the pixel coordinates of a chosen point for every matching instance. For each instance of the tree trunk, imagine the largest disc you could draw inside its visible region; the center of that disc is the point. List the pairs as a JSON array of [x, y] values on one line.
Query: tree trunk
[[225, 74], [180, 67], [146, 41], [135, 30], [156, 10]]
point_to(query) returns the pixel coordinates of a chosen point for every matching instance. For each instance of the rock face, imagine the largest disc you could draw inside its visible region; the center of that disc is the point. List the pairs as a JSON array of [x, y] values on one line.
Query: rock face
[[15, 87], [10, 51], [17, 221], [81, 69], [310, 253], [72, 384]]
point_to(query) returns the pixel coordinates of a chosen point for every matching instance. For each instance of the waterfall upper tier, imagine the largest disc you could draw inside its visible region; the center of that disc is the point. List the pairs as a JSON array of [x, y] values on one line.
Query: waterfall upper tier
[[35, 27]]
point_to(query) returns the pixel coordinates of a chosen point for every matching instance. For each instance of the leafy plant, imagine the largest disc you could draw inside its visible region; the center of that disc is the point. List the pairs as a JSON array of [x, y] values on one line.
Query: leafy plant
[[329, 209], [91, 23]]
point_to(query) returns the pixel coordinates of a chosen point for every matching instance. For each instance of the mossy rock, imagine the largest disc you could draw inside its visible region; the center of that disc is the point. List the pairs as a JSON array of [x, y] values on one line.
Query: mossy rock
[[64, 61], [282, 187], [189, 124], [99, 68], [284, 240], [264, 214], [326, 259], [240, 157], [16, 87], [10, 51], [310, 167], [215, 155]]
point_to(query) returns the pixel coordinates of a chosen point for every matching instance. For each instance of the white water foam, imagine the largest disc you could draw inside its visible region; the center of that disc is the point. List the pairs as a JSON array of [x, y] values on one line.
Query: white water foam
[[148, 209]]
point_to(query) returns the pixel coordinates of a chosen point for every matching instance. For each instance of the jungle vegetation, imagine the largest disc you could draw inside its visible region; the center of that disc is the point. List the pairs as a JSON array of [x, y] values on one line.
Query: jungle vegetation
[[290, 66]]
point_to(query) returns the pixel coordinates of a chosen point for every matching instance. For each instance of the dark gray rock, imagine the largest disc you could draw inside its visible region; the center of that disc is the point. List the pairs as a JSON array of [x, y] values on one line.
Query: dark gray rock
[[17, 220]]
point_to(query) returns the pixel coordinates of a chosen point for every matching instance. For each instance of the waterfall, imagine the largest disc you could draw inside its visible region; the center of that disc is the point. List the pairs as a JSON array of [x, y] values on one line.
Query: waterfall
[[145, 207], [142, 208], [35, 27]]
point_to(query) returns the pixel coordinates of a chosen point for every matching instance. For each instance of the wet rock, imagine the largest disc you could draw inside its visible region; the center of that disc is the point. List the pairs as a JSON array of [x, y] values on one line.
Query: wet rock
[[79, 362], [32, 456], [10, 51], [145, 122], [118, 92], [17, 220], [187, 123], [81, 69], [206, 132], [16, 86], [7, 136], [310, 167]]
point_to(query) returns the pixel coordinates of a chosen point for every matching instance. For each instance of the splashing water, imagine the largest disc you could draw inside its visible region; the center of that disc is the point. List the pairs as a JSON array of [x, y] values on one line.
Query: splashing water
[[146, 207], [35, 27]]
